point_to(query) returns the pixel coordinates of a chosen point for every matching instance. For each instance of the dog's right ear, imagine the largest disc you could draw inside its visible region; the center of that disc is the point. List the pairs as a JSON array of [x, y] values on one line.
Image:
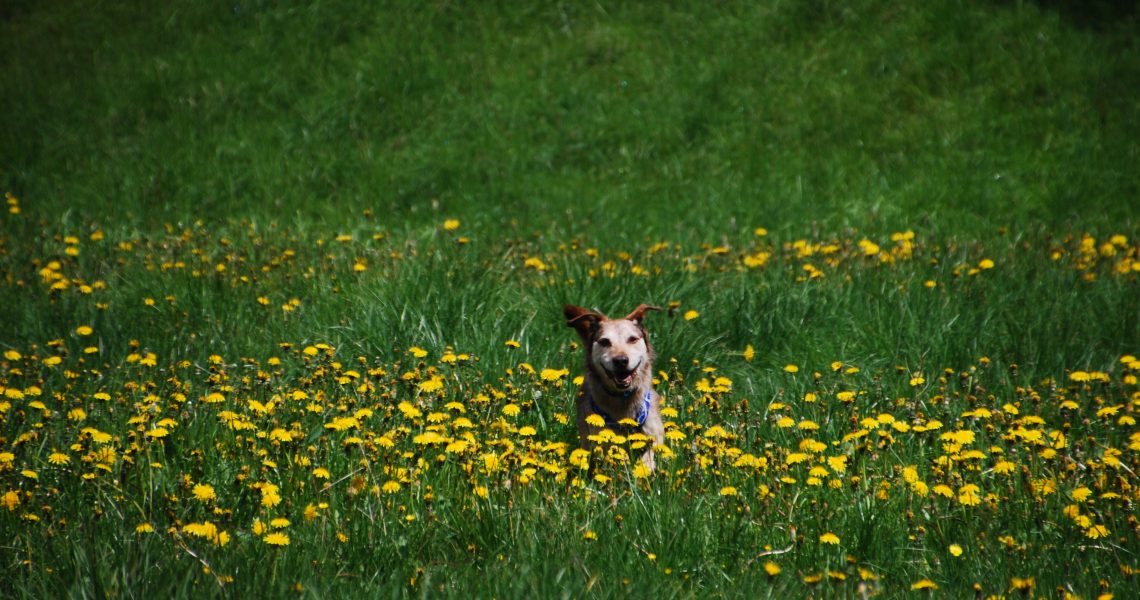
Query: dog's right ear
[[584, 321]]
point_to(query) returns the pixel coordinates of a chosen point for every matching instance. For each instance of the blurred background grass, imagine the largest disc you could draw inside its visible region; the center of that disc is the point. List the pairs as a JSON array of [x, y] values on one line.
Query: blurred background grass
[[993, 129], [614, 121]]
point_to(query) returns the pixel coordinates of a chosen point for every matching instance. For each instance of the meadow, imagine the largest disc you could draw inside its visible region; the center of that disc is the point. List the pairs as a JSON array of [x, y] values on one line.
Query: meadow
[[282, 290]]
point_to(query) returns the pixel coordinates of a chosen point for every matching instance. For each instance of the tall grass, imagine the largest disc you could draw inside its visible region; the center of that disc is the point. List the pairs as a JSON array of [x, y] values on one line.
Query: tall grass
[[319, 252]]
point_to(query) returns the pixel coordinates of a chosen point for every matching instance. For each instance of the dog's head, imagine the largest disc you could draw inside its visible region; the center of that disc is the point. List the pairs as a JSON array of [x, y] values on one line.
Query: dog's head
[[617, 350]]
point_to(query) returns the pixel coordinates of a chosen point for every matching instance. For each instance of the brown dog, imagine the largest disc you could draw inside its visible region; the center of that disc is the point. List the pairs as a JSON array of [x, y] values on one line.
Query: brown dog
[[618, 382]]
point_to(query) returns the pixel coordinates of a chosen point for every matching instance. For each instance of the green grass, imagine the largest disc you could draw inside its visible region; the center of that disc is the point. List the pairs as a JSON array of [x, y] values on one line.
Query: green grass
[[214, 172]]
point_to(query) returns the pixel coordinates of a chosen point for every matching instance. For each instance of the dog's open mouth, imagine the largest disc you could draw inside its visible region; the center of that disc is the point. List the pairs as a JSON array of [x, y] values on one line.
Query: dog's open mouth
[[622, 378]]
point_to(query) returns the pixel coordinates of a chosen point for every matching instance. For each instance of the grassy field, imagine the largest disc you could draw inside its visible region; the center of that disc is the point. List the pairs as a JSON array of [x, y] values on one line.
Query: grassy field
[[282, 291]]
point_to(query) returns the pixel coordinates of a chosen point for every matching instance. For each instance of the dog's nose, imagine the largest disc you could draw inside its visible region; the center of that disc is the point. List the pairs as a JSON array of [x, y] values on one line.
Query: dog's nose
[[621, 362]]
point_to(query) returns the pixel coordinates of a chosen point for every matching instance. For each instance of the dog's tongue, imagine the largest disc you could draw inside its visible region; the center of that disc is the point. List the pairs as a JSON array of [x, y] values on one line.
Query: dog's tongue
[[624, 380]]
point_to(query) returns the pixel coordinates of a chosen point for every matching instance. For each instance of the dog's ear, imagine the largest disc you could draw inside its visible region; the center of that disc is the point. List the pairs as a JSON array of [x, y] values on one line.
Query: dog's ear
[[584, 321], [638, 314]]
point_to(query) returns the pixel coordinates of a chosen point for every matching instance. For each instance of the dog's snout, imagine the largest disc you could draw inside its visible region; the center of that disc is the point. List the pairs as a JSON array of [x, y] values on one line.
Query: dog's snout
[[621, 362]]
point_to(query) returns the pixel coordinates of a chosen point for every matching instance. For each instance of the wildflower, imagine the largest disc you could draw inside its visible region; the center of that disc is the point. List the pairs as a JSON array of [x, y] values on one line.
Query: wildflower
[[829, 538], [511, 344], [554, 374], [277, 539], [432, 385], [691, 314], [10, 500], [589, 535], [279, 523], [1081, 494], [790, 368], [772, 569], [83, 330], [728, 491], [204, 492], [58, 458], [1096, 532], [144, 528], [923, 584], [450, 224], [955, 550]]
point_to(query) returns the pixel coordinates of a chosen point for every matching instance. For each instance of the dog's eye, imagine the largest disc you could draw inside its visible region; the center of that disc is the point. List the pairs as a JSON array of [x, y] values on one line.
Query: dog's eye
[[632, 340], [604, 342]]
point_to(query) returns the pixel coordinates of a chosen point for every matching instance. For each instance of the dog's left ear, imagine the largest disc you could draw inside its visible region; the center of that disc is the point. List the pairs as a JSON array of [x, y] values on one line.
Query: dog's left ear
[[638, 314], [584, 321]]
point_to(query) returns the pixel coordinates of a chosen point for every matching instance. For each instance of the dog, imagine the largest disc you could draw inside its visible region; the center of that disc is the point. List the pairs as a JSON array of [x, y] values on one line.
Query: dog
[[618, 381]]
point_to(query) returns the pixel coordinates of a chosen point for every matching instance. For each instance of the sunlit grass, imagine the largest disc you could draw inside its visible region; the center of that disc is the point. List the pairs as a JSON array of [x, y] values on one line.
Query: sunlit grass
[[280, 292], [370, 423]]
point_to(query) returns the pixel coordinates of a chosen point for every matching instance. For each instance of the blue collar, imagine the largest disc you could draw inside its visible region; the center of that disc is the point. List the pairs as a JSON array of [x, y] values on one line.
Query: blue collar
[[642, 412]]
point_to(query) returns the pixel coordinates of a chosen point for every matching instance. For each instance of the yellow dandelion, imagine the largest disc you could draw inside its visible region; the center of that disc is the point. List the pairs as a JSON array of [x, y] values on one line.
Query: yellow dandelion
[[144, 528], [589, 535], [450, 224], [553, 374], [924, 584], [728, 490], [691, 314], [58, 458], [955, 550], [829, 538], [1096, 532], [84, 330], [790, 368], [749, 353], [279, 523], [10, 500], [204, 492], [772, 569], [276, 539]]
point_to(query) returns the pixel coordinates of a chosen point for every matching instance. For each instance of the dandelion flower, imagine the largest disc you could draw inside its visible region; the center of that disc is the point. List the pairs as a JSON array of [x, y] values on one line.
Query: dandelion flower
[[204, 492], [728, 490], [790, 368], [772, 569], [924, 584], [144, 528], [829, 538], [955, 550], [277, 539], [84, 330], [450, 224], [691, 314], [58, 458], [10, 500], [1096, 532]]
